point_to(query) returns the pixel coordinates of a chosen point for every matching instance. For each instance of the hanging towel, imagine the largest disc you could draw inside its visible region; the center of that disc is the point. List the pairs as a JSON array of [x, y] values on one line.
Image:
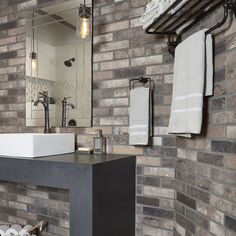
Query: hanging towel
[[139, 116], [193, 79]]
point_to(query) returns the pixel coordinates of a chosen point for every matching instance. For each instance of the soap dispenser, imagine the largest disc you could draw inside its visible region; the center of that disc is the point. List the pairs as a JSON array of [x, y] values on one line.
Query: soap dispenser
[[99, 143]]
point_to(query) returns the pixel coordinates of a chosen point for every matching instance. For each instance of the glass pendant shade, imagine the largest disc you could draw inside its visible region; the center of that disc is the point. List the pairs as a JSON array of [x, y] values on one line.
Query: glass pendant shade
[[84, 28], [84, 13], [33, 60]]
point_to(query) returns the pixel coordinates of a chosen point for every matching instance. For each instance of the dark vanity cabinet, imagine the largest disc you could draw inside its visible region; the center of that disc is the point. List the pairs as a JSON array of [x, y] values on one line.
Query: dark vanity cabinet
[[102, 188]]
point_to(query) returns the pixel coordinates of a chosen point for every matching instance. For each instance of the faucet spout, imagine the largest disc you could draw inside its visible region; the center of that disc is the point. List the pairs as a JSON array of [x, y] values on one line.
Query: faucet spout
[[45, 102], [65, 104], [40, 101]]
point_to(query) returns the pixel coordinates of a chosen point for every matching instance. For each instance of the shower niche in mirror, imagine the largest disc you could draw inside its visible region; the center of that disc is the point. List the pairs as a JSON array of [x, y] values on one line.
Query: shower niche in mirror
[[59, 63]]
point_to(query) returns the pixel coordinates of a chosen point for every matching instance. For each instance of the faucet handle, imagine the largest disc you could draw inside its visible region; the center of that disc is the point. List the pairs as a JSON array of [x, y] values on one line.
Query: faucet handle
[[52, 100], [44, 94], [65, 98]]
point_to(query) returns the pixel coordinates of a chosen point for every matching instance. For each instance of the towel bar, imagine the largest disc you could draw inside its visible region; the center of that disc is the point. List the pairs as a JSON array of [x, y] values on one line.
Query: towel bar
[[142, 80]]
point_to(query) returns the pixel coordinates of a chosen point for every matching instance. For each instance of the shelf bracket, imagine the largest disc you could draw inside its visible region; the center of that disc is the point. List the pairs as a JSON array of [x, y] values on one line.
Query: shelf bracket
[[232, 6], [172, 43]]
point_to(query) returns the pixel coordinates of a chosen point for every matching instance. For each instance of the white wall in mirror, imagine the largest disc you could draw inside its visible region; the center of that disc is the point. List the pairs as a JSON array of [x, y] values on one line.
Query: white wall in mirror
[[53, 33]]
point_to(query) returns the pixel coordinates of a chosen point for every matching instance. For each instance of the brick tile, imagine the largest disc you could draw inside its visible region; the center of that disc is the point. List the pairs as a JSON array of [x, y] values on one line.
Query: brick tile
[[146, 60], [190, 202], [102, 75], [198, 194], [231, 132], [127, 150], [103, 57], [159, 171], [122, 54], [230, 161], [223, 205], [230, 223], [210, 212], [156, 231], [216, 229], [216, 132], [148, 181], [224, 146], [104, 38], [227, 176], [158, 192], [197, 218], [114, 26], [148, 201], [148, 161], [128, 72], [209, 158], [156, 212], [185, 223], [114, 64], [161, 69], [224, 117]]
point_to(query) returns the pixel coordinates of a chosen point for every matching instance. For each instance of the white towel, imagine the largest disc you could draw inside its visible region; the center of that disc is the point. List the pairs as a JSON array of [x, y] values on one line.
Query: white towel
[[153, 10], [193, 79], [139, 116]]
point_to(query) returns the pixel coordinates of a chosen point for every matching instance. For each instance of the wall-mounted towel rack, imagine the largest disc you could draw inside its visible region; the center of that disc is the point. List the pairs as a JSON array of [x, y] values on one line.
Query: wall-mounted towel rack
[[182, 15], [142, 80]]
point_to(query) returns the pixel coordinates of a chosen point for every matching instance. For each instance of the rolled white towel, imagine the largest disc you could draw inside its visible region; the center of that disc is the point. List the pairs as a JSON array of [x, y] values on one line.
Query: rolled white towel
[[152, 4], [163, 5], [27, 227], [148, 17], [153, 10], [3, 230], [14, 230], [24, 232], [2, 233]]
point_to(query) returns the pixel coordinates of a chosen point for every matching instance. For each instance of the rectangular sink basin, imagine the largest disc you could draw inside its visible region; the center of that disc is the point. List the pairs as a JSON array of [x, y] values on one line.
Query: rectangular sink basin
[[36, 145]]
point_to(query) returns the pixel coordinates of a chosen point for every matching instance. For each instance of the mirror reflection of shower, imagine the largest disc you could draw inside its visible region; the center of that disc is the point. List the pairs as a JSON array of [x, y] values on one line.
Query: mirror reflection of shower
[[69, 62], [63, 63]]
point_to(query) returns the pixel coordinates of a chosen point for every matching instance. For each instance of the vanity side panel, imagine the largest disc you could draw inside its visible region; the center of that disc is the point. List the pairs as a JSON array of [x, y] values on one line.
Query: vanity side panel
[[114, 198]]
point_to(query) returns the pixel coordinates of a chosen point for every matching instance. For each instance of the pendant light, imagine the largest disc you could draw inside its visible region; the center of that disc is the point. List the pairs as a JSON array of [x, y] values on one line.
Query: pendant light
[[85, 14], [33, 54]]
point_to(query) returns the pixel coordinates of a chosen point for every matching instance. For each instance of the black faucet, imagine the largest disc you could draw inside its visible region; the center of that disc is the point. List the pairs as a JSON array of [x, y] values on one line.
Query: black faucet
[[65, 104], [45, 100]]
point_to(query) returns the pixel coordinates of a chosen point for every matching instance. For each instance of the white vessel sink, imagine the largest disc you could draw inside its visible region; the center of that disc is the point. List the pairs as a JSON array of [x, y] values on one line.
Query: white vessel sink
[[36, 144]]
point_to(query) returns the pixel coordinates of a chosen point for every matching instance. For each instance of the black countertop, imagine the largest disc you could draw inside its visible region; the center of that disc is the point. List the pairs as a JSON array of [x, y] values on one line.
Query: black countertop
[[71, 158]]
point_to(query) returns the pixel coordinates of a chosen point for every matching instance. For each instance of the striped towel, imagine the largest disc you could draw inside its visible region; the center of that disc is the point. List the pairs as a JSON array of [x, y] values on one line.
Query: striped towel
[[193, 79]]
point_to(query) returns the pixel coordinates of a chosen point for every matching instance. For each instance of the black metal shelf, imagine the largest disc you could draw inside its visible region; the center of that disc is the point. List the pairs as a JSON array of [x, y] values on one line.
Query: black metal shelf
[[182, 15]]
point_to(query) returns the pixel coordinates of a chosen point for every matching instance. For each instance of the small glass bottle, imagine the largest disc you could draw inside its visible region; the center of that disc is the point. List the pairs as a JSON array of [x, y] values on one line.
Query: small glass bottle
[[99, 143]]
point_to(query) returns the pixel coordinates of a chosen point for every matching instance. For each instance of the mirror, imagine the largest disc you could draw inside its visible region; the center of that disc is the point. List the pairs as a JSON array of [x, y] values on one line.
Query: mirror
[[58, 64]]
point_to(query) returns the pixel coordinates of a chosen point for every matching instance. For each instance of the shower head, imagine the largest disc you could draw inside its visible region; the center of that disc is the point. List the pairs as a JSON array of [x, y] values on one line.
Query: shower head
[[68, 63]]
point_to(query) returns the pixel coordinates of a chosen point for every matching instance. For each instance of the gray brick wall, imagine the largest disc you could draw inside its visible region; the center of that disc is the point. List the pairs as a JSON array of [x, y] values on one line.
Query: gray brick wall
[[28, 204], [184, 187]]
